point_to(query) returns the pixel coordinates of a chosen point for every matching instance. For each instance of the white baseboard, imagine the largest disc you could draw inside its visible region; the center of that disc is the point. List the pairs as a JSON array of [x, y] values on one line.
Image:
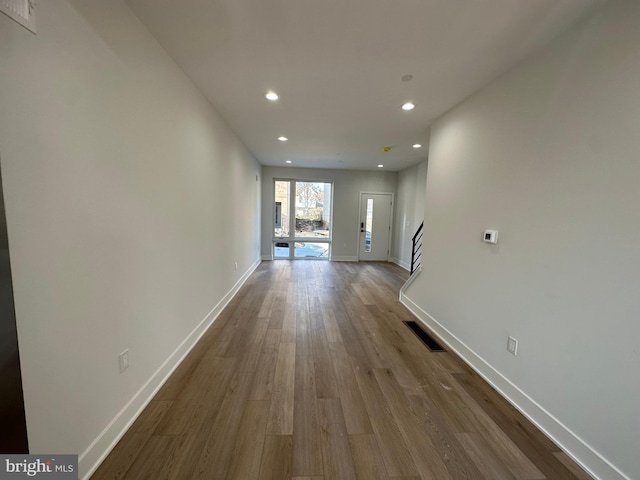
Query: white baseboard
[[343, 259], [409, 281], [267, 258], [402, 264], [582, 453], [94, 455]]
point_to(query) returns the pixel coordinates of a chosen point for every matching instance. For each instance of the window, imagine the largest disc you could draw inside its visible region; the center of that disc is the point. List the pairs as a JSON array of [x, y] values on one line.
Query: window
[[304, 208], [368, 225]]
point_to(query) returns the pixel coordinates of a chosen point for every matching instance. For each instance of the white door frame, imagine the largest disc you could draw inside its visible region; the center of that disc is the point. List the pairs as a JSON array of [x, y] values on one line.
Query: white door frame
[[360, 219]]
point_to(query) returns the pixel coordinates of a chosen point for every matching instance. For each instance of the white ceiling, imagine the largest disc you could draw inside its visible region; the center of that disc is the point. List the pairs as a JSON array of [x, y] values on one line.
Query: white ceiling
[[337, 66]]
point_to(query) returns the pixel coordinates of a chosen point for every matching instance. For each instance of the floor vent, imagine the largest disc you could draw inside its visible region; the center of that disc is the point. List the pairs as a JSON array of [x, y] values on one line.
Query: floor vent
[[424, 336]]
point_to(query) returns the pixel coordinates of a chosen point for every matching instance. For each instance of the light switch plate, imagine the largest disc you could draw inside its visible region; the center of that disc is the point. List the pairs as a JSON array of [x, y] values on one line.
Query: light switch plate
[[124, 360]]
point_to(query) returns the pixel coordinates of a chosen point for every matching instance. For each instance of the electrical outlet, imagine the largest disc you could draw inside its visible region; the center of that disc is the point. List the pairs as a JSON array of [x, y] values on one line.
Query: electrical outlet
[[124, 360], [512, 345], [236, 265], [490, 236]]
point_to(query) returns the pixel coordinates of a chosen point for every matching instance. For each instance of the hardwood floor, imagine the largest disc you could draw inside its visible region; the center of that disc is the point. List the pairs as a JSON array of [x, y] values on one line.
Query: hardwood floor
[[309, 373]]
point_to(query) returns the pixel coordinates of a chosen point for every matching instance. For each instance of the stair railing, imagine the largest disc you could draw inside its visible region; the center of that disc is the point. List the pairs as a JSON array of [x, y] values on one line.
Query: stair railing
[[416, 249]]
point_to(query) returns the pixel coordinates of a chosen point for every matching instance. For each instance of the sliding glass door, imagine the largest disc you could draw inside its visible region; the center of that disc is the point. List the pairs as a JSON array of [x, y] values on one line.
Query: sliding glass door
[[302, 219]]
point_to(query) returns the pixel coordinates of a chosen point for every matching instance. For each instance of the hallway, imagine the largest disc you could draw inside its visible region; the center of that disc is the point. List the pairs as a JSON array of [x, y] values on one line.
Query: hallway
[[309, 373]]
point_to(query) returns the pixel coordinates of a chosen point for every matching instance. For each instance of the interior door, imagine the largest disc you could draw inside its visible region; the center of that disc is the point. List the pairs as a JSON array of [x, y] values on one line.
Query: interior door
[[375, 226]]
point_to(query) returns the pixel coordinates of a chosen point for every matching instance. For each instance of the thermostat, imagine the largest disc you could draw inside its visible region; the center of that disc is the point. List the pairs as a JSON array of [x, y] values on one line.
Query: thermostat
[[491, 236]]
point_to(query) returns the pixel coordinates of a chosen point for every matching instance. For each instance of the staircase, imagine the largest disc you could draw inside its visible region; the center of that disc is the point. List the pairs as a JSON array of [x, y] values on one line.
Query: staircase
[[416, 249]]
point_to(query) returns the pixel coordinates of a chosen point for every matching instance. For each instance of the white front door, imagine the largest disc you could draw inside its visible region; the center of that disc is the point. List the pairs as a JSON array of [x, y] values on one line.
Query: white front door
[[375, 226]]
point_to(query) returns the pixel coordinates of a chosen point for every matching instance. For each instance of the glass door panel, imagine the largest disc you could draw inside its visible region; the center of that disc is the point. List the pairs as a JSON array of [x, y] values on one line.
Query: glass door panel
[[302, 219], [281, 224], [281, 250], [311, 250], [368, 225], [313, 209]]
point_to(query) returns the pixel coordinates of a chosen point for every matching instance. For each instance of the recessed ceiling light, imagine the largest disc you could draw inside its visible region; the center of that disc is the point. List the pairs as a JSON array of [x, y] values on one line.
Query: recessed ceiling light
[[408, 106], [416, 145], [283, 139], [273, 96], [287, 161], [380, 166]]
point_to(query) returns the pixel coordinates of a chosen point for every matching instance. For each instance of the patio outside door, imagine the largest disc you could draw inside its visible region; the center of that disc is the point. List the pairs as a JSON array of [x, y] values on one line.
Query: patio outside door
[[375, 226]]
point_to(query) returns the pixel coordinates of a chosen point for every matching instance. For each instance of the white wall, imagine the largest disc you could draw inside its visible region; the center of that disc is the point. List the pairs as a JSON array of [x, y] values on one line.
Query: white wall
[[124, 190], [347, 185], [412, 183], [549, 156]]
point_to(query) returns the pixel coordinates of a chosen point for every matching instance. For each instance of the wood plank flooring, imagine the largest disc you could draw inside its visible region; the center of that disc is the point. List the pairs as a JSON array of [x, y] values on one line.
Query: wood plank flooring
[[309, 373]]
